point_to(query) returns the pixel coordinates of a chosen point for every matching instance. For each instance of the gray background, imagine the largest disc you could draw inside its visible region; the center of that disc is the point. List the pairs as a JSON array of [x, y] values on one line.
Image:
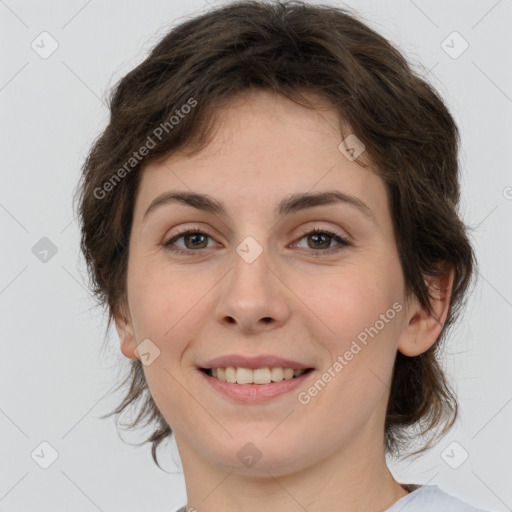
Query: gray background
[[55, 380]]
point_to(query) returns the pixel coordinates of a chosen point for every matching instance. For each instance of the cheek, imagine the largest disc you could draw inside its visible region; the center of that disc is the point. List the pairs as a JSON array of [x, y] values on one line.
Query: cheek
[[346, 303], [165, 309], [164, 302], [360, 323]]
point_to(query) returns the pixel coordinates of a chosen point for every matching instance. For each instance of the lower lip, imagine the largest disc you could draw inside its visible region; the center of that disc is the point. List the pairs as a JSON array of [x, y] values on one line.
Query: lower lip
[[255, 393]]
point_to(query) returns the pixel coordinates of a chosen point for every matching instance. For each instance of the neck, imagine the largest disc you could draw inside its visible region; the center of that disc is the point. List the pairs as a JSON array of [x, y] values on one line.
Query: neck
[[354, 479]]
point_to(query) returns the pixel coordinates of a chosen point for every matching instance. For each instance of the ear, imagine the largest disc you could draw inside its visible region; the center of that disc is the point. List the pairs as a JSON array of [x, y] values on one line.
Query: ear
[[422, 329], [125, 332]]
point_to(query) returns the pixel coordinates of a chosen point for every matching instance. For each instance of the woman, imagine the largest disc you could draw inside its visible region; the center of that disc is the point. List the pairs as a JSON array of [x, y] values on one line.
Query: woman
[[271, 218]]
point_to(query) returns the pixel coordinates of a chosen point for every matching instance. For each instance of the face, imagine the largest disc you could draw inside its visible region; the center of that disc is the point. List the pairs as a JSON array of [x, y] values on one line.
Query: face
[[254, 281]]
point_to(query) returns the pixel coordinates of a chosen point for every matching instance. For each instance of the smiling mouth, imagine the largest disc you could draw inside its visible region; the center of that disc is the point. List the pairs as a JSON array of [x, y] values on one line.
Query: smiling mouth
[[266, 375]]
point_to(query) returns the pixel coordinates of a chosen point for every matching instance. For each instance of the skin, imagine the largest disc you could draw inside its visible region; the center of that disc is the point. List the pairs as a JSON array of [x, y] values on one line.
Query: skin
[[327, 454]]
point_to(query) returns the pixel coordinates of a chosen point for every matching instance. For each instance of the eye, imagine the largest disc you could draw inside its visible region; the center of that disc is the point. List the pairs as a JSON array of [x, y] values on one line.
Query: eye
[[195, 236], [195, 239], [318, 236]]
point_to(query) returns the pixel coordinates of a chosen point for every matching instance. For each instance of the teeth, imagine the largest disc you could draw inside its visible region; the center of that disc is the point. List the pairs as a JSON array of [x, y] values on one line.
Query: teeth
[[277, 374], [258, 376]]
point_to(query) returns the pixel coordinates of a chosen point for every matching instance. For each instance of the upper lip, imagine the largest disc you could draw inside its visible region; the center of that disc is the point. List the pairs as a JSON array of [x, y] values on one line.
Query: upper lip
[[253, 362]]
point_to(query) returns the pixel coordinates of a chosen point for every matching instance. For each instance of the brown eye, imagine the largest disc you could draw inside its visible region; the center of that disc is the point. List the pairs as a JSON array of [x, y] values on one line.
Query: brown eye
[[196, 240], [319, 240], [193, 239]]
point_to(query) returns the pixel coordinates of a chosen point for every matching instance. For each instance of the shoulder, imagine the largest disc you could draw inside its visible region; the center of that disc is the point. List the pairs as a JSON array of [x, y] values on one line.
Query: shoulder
[[425, 498], [430, 498]]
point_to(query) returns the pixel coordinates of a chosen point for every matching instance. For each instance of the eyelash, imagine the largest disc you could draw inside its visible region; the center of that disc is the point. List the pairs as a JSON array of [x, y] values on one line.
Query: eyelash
[[343, 242]]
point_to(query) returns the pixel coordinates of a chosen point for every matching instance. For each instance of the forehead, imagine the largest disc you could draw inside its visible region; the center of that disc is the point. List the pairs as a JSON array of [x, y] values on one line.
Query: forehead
[[266, 147]]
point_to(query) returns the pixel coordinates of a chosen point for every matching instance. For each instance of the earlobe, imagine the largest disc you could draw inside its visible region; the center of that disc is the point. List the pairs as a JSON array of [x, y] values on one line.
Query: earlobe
[[422, 329], [125, 332]]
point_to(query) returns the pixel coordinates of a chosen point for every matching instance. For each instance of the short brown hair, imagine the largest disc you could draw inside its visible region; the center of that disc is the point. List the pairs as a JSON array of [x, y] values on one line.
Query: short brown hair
[[296, 50]]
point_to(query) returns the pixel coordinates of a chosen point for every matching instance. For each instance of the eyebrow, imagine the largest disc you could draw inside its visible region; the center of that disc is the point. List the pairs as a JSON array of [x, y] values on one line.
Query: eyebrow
[[288, 205]]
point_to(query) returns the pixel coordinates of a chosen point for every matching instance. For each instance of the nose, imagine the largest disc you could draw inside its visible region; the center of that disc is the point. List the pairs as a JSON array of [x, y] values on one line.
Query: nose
[[253, 297]]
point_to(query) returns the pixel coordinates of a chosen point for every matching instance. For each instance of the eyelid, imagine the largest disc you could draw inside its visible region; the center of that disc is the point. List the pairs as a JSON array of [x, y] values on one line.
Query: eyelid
[[332, 231], [343, 241], [185, 231]]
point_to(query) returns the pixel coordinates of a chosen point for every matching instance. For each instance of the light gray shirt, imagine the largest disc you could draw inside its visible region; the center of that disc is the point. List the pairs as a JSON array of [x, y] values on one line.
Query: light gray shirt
[[424, 498]]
